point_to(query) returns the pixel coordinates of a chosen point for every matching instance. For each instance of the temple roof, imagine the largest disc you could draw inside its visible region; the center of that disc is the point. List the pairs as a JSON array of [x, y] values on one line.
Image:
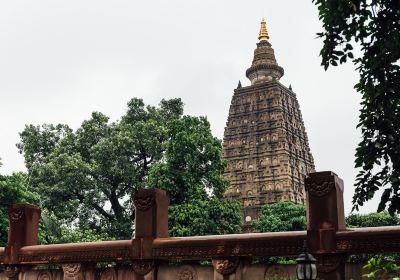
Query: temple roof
[[264, 67]]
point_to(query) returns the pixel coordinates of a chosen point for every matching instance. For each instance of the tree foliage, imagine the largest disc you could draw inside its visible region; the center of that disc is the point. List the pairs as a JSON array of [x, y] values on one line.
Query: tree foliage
[[205, 217], [13, 189], [281, 216], [286, 216], [381, 268], [86, 178], [53, 231], [372, 220], [373, 26]]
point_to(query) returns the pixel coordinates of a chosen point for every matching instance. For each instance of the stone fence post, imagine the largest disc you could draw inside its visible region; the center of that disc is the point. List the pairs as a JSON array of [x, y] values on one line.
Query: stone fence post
[[325, 216], [151, 221], [23, 231]]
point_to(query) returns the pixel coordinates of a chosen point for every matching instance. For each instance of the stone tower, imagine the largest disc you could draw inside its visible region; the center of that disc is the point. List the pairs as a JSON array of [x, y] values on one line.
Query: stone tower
[[265, 142]]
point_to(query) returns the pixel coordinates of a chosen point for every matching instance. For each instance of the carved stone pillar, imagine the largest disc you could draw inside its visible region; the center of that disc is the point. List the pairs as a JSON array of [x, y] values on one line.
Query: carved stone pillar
[[151, 213], [325, 216], [225, 267], [23, 231], [151, 221]]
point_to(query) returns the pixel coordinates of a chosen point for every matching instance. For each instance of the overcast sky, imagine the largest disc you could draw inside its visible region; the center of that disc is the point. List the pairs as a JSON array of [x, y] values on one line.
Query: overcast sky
[[61, 60]]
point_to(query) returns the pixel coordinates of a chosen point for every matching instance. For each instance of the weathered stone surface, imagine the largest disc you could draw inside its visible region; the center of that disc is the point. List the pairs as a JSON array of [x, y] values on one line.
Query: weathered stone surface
[[185, 272], [265, 141]]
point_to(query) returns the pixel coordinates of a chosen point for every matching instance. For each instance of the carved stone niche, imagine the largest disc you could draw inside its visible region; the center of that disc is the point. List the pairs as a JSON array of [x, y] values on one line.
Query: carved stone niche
[[225, 266], [144, 202], [330, 263], [16, 215], [12, 271], [320, 188], [73, 271], [276, 271], [108, 274], [187, 273], [45, 275], [142, 267]]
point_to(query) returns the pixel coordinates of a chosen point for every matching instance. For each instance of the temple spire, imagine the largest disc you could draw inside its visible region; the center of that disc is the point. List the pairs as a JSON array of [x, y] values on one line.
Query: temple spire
[[264, 67], [263, 35]]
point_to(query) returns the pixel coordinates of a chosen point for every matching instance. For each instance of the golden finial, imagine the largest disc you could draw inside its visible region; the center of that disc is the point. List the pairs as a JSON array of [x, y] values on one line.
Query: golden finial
[[263, 36]]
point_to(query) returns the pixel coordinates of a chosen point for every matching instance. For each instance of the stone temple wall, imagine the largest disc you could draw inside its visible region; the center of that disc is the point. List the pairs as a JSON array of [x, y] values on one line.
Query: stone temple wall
[[266, 146], [182, 272], [151, 254]]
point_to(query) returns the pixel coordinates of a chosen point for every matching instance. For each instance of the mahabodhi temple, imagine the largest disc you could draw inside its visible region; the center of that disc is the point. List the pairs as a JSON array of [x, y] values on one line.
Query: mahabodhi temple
[[265, 141]]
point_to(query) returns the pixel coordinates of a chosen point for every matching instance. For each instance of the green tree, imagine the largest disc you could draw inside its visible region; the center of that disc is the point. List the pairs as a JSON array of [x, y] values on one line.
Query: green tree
[[191, 167], [13, 189], [380, 268], [205, 217], [53, 231], [372, 220], [373, 26], [281, 216], [277, 217], [87, 177]]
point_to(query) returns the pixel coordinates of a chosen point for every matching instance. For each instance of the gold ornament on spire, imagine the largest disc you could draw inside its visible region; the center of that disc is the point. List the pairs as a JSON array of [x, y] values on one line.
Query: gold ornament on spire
[[263, 36]]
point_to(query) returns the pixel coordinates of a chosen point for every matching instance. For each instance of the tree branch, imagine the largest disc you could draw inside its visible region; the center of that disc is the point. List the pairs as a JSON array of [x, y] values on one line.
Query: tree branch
[[97, 207]]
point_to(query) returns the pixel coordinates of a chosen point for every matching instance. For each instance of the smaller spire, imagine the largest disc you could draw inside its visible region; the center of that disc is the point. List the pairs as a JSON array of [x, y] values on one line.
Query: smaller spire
[[239, 85], [290, 87], [263, 35]]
